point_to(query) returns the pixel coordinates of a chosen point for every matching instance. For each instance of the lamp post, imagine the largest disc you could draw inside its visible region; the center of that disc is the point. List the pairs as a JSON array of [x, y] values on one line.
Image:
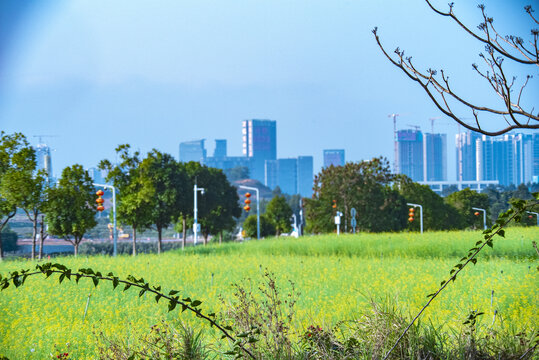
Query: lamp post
[[195, 225], [420, 214], [257, 208], [484, 216], [300, 228], [295, 223], [338, 221], [536, 216], [115, 229]]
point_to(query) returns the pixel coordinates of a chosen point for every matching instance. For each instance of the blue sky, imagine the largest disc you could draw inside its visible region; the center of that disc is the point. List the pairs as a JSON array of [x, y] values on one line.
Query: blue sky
[[96, 74]]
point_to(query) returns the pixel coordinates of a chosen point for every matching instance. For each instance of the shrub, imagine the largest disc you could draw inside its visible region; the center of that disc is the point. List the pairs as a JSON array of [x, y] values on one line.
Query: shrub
[[124, 248], [164, 341], [266, 226]]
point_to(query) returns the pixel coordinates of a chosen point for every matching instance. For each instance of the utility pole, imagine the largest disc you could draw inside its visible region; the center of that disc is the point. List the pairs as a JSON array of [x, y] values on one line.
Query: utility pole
[[196, 189], [484, 216], [115, 229], [420, 214]]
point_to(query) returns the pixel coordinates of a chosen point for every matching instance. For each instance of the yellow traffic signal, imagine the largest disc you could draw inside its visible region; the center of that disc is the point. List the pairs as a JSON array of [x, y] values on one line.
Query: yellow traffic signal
[[411, 214], [247, 202], [100, 200]]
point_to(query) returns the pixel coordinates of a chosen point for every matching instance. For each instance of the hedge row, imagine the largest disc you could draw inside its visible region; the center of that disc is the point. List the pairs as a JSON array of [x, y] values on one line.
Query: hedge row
[[125, 248]]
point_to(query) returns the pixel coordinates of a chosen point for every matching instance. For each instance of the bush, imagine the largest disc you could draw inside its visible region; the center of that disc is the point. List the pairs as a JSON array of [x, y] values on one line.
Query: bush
[[266, 227], [124, 248], [9, 240]]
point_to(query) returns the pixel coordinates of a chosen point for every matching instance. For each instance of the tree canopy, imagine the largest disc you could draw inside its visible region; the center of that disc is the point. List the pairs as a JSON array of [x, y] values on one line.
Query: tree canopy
[[279, 213], [17, 164], [71, 207], [364, 186], [170, 187], [135, 192], [219, 204]]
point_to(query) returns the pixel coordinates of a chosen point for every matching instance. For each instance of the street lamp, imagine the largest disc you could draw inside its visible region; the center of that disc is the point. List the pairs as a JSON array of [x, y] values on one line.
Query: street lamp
[[195, 225], [484, 216], [115, 230], [338, 221], [536, 216], [420, 214], [295, 224], [257, 208]]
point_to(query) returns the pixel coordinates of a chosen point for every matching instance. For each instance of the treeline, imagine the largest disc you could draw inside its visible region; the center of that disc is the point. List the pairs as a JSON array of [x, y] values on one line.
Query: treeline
[[154, 192], [380, 199]]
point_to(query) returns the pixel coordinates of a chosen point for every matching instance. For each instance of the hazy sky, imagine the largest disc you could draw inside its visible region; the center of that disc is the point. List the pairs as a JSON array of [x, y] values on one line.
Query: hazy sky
[[96, 73]]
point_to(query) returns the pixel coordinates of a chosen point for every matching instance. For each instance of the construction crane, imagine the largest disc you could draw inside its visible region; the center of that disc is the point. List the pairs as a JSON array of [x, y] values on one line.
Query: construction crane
[[396, 151], [432, 123], [417, 127], [42, 136]]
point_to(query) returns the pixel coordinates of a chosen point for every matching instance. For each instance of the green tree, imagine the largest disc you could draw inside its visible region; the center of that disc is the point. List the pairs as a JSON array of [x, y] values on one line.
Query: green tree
[[363, 186], [17, 159], [437, 215], [170, 186], [135, 191], [279, 213], [28, 190], [463, 201], [266, 226], [226, 206], [71, 207], [219, 204]]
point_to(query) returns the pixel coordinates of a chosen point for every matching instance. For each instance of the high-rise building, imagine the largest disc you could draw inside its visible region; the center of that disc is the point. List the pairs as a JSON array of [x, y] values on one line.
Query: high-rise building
[[282, 173], [508, 158], [435, 157], [293, 176], [305, 176], [193, 151], [220, 148], [287, 174], [271, 173], [494, 159], [43, 159], [466, 155], [334, 157], [410, 154], [260, 144], [523, 164]]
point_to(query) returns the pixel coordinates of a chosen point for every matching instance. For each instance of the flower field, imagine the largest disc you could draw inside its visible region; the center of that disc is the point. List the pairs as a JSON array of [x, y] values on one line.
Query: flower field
[[336, 277]]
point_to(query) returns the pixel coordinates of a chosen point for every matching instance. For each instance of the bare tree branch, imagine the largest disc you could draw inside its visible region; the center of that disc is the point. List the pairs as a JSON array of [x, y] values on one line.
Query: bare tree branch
[[497, 48]]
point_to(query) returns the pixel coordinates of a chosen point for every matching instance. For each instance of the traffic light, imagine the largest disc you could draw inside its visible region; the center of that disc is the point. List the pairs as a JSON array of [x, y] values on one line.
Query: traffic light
[[411, 214], [100, 200], [247, 202], [334, 204], [476, 213]]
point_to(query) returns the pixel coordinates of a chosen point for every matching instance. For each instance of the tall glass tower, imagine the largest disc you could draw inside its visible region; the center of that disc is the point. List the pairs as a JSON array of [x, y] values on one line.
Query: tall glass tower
[[260, 144], [410, 153], [435, 157]]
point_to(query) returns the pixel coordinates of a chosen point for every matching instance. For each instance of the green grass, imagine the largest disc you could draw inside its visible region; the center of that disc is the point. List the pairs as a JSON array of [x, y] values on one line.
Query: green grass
[[336, 278]]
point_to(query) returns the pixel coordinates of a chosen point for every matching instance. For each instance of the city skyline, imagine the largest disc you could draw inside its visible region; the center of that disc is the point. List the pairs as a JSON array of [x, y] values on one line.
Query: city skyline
[[95, 75]]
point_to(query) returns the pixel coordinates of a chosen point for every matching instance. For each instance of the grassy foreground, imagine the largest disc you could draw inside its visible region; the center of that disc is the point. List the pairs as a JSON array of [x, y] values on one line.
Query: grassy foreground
[[336, 277]]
